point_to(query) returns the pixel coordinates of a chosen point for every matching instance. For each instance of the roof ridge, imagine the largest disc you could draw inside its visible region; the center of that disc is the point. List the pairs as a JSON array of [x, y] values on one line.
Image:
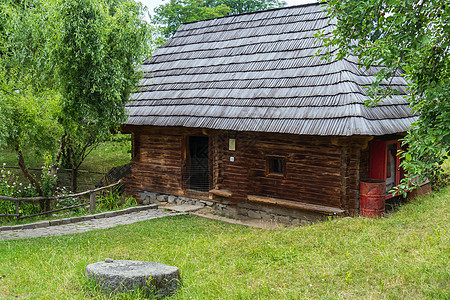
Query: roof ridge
[[259, 11], [274, 106]]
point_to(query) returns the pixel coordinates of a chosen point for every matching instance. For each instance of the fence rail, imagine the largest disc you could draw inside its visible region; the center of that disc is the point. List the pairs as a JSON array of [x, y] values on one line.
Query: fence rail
[[66, 170], [92, 201]]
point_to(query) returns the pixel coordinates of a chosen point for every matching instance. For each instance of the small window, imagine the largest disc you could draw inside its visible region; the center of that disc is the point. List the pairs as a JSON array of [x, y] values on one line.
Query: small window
[[275, 166]]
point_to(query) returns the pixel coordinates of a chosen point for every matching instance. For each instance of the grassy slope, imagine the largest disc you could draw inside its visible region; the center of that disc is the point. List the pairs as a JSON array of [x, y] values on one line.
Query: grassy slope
[[405, 255]]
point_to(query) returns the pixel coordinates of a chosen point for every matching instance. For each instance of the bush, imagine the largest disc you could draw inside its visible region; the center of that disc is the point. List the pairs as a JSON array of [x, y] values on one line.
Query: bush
[[114, 201], [10, 186]]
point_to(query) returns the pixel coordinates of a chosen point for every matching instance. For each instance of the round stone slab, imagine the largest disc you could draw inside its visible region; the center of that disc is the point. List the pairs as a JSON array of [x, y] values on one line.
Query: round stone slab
[[125, 276]]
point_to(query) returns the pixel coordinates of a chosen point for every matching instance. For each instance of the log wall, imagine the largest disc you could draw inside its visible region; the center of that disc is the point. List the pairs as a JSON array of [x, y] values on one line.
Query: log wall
[[318, 170], [312, 168], [156, 163]]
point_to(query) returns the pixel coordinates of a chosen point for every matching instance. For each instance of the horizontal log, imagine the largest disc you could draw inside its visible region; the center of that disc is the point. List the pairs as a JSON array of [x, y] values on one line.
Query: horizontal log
[[156, 167], [173, 162], [31, 199], [295, 205], [308, 162], [301, 197], [221, 193], [296, 190], [288, 147], [277, 138], [57, 210], [154, 139]]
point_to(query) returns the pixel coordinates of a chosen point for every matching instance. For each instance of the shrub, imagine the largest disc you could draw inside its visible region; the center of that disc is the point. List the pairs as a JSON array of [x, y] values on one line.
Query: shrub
[[10, 186]]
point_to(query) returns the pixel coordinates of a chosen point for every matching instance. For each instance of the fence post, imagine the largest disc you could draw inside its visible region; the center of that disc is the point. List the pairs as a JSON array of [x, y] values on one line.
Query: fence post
[[17, 209], [93, 204]]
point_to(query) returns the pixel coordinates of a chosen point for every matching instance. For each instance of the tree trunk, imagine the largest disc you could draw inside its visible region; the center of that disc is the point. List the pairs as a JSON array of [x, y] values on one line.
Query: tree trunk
[[44, 204], [74, 179], [59, 154]]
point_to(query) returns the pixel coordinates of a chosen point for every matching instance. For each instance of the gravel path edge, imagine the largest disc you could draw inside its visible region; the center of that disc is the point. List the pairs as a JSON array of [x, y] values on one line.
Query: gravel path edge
[[57, 222]]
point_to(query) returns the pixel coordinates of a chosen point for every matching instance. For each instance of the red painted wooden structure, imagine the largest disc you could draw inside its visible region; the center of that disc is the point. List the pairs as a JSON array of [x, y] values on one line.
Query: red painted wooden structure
[[384, 164]]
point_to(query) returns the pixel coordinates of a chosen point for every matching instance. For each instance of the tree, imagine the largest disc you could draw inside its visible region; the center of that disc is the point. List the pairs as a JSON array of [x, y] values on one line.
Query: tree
[[176, 12], [27, 102], [245, 6], [67, 69], [411, 37], [98, 46]]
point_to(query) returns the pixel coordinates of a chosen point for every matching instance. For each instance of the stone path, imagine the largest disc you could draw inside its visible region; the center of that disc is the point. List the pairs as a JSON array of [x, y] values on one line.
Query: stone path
[[83, 226]]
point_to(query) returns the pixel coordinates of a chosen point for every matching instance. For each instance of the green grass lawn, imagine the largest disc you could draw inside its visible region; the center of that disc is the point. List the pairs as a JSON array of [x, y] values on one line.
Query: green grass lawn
[[403, 256]]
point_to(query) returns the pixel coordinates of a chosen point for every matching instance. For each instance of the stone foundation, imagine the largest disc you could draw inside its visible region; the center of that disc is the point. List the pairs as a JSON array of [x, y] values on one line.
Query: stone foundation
[[269, 213]]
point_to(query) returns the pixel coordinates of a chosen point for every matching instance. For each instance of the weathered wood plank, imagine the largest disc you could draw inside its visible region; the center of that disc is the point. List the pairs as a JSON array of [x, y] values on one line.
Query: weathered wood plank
[[222, 193], [295, 205]]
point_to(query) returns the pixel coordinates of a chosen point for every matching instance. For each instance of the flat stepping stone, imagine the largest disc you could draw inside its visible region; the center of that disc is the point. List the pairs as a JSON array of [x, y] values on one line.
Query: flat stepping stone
[[183, 208], [125, 276]]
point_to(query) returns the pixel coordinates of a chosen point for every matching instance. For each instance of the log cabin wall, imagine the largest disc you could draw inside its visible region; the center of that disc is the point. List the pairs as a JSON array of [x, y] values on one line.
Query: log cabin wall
[[159, 160], [156, 161], [316, 169], [311, 168]]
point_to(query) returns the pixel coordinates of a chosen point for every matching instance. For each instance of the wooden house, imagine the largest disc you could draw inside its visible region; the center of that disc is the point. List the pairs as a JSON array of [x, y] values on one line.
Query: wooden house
[[239, 110]]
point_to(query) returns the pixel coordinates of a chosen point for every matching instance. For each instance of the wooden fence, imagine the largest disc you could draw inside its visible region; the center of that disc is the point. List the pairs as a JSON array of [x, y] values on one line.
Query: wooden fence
[[92, 201]]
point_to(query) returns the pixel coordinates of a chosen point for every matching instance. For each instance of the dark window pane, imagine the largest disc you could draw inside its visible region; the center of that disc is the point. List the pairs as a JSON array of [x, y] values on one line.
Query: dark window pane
[[276, 165]]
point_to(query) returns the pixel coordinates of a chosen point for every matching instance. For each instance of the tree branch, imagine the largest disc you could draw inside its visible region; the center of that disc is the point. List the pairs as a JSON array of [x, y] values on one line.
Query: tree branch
[[25, 172]]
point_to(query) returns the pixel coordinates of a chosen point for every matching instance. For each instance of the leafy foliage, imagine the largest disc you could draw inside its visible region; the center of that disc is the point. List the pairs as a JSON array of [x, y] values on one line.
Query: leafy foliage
[[114, 200], [66, 71], [10, 186], [245, 6], [176, 12], [410, 37], [28, 102], [98, 48]]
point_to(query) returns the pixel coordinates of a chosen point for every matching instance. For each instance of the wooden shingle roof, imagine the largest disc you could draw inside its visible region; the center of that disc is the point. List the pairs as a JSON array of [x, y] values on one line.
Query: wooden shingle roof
[[257, 72]]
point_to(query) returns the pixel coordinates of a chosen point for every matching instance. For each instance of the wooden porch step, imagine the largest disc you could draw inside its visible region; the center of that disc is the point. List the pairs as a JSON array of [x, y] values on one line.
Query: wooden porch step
[[295, 205]]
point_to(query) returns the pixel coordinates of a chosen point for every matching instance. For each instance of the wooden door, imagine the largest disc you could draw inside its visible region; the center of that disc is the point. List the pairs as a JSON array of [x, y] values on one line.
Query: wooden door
[[198, 163]]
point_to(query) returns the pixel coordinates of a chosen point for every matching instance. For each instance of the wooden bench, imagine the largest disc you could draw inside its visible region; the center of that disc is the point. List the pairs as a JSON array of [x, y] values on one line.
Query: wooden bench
[[295, 205]]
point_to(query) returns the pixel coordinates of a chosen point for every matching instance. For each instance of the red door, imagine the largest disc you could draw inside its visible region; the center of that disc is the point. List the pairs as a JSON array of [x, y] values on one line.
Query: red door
[[384, 163]]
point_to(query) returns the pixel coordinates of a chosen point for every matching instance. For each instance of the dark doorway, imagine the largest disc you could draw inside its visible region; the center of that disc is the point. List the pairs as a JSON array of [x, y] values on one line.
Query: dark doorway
[[198, 163]]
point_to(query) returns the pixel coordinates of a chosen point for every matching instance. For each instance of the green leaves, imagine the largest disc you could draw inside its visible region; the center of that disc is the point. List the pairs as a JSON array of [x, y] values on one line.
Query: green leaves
[[176, 12], [97, 53], [67, 67], [409, 37], [27, 103], [97, 49]]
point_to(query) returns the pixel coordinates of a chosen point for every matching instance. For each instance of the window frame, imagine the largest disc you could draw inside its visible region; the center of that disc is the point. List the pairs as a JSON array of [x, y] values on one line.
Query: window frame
[[282, 159]]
